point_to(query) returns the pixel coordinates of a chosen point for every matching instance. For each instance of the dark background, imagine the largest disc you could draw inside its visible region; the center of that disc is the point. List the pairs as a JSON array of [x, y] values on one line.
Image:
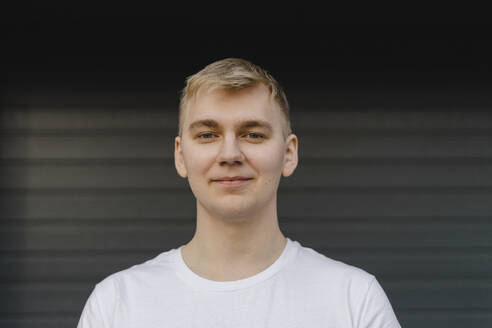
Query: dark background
[[394, 122]]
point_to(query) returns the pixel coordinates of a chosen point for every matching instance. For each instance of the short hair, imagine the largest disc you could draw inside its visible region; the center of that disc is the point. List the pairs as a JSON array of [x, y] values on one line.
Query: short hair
[[233, 74]]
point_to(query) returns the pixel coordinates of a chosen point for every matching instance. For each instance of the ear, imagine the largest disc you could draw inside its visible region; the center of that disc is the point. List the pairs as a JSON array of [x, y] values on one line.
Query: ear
[[291, 157], [179, 159]]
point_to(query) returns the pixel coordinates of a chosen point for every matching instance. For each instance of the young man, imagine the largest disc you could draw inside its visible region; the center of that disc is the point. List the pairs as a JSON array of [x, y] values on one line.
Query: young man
[[239, 270]]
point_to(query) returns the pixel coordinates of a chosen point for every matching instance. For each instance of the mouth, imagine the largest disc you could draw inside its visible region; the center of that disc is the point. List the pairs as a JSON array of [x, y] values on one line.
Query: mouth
[[232, 181]]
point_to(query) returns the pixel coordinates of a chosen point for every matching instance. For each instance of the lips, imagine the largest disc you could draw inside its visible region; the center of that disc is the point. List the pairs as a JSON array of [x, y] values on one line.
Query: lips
[[232, 181], [237, 178]]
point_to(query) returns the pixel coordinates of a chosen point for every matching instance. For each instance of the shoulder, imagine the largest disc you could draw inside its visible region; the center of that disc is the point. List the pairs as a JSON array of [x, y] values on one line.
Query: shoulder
[[147, 273], [326, 276], [342, 283], [317, 265], [123, 285]]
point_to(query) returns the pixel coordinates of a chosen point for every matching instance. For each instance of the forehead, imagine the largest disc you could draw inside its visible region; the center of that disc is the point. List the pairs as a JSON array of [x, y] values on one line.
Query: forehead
[[254, 103]]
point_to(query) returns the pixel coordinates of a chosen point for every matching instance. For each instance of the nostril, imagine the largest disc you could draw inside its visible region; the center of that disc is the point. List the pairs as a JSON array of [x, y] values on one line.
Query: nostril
[[225, 162]]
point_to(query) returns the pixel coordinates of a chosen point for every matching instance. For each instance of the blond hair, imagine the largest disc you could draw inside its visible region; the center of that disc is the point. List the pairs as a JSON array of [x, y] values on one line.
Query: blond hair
[[233, 74]]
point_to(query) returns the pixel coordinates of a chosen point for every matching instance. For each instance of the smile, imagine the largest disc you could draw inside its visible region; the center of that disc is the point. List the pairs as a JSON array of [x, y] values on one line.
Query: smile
[[232, 182]]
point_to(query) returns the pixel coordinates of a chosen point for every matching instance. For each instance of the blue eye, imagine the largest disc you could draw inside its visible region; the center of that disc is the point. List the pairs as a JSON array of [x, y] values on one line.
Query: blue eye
[[255, 135], [206, 135]]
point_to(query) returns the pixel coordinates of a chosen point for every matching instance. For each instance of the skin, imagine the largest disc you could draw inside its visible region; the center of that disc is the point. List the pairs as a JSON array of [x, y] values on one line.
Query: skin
[[237, 233]]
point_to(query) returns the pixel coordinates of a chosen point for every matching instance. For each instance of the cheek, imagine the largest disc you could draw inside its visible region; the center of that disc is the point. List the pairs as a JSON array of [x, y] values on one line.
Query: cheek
[[198, 160], [270, 162]]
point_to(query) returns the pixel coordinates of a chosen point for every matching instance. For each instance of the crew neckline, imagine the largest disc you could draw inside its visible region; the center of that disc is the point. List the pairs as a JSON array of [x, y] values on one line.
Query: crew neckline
[[198, 282]]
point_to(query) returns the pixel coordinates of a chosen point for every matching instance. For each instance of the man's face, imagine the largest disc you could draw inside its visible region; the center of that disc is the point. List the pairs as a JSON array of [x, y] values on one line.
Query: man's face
[[233, 152]]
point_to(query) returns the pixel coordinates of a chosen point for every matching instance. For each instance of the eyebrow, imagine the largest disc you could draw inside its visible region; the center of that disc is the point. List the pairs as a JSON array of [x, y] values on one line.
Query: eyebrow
[[242, 124]]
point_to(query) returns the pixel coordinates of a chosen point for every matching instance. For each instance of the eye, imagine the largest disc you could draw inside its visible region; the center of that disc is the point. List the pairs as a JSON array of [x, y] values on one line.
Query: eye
[[207, 135], [253, 135]]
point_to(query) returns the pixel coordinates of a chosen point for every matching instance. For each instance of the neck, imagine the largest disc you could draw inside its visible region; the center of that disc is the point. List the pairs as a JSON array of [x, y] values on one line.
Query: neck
[[225, 249]]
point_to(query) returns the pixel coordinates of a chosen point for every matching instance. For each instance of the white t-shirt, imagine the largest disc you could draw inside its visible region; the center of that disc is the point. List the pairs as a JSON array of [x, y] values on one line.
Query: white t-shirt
[[302, 288]]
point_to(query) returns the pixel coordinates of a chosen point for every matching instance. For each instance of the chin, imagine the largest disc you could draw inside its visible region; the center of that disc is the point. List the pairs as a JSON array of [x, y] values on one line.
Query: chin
[[232, 211]]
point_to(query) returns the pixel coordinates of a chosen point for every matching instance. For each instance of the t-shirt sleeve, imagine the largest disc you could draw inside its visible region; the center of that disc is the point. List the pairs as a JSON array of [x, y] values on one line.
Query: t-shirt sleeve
[[377, 311], [98, 309]]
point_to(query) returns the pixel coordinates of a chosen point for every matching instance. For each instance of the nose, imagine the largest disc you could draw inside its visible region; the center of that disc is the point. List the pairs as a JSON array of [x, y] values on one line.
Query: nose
[[230, 152]]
